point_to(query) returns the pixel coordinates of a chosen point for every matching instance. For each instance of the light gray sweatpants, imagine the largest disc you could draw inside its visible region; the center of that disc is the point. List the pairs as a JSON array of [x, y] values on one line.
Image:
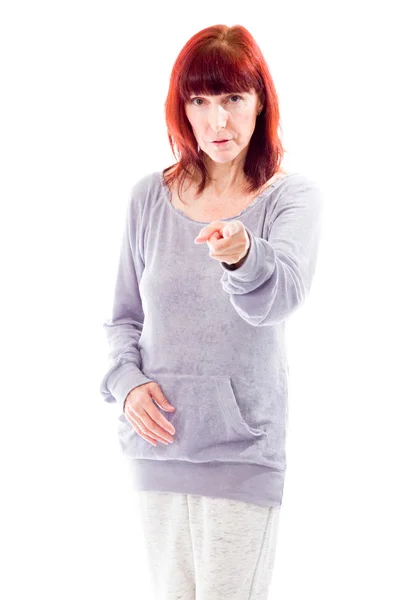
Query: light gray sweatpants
[[207, 548]]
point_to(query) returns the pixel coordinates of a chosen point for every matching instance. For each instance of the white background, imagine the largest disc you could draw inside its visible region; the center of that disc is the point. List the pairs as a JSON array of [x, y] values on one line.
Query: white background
[[82, 118]]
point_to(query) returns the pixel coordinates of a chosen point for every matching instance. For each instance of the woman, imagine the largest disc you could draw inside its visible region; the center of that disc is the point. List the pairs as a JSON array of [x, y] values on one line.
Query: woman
[[218, 251]]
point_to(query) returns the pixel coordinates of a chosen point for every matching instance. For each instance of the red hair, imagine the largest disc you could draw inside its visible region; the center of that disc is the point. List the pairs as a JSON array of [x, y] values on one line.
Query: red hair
[[219, 60]]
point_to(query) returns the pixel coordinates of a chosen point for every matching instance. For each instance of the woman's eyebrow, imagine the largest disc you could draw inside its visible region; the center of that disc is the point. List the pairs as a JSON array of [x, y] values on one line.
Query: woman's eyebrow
[[214, 96]]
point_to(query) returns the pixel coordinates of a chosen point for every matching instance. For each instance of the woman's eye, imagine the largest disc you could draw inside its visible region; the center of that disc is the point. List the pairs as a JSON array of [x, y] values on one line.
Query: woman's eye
[[233, 96]]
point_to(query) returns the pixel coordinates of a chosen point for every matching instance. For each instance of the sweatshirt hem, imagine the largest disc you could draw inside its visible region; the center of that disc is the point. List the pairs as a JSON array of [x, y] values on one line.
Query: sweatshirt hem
[[250, 483]]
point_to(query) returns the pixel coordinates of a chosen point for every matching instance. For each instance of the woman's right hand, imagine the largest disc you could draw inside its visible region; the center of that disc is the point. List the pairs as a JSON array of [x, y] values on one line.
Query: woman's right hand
[[143, 415]]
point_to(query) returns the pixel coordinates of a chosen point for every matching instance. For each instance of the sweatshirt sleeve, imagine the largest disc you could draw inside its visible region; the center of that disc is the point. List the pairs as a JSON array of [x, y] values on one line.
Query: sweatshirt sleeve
[[124, 327], [276, 276]]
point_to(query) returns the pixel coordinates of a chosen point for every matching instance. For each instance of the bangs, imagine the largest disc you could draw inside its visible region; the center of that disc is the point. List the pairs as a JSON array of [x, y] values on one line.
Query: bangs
[[216, 71]]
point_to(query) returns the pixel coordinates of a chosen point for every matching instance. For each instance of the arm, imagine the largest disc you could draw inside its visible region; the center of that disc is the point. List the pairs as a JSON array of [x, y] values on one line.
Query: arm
[[124, 328], [275, 276]]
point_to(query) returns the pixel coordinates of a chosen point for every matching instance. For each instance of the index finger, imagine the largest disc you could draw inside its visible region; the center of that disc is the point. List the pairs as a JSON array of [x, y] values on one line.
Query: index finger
[[206, 231]]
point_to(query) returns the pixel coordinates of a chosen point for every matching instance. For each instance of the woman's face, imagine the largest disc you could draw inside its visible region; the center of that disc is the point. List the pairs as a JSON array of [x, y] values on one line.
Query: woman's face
[[225, 117]]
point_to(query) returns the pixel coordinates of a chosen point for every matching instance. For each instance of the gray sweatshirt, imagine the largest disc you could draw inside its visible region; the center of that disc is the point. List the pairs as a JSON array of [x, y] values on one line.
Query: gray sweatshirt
[[213, 338]]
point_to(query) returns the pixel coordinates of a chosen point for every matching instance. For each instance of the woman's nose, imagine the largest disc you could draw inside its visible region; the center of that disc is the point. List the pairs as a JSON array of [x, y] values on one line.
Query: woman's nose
[[217, 118]]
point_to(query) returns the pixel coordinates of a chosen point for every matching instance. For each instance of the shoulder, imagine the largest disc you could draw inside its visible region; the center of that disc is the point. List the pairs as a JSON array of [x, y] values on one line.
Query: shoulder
[[296, 184], [298, 192], [293, 180], [147, 183], [144, 192]]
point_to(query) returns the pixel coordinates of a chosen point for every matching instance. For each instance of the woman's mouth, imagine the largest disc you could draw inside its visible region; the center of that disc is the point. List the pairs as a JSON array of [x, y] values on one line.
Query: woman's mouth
[[221, 142]]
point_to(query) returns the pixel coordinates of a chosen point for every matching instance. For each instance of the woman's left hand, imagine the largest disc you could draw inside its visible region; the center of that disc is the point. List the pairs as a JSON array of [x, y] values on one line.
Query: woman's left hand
[[228, 242]]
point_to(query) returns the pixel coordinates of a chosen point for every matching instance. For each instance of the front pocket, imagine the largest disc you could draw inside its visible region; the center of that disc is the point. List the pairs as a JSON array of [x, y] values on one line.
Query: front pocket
[[232, 410], [208, 423]]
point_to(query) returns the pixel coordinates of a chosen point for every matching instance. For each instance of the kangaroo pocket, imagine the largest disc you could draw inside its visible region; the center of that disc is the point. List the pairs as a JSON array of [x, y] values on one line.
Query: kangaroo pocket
[[208, 423]]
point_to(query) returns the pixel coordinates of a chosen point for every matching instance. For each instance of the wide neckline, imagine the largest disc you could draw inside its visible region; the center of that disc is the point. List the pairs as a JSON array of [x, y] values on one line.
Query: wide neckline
[[166, 194]]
